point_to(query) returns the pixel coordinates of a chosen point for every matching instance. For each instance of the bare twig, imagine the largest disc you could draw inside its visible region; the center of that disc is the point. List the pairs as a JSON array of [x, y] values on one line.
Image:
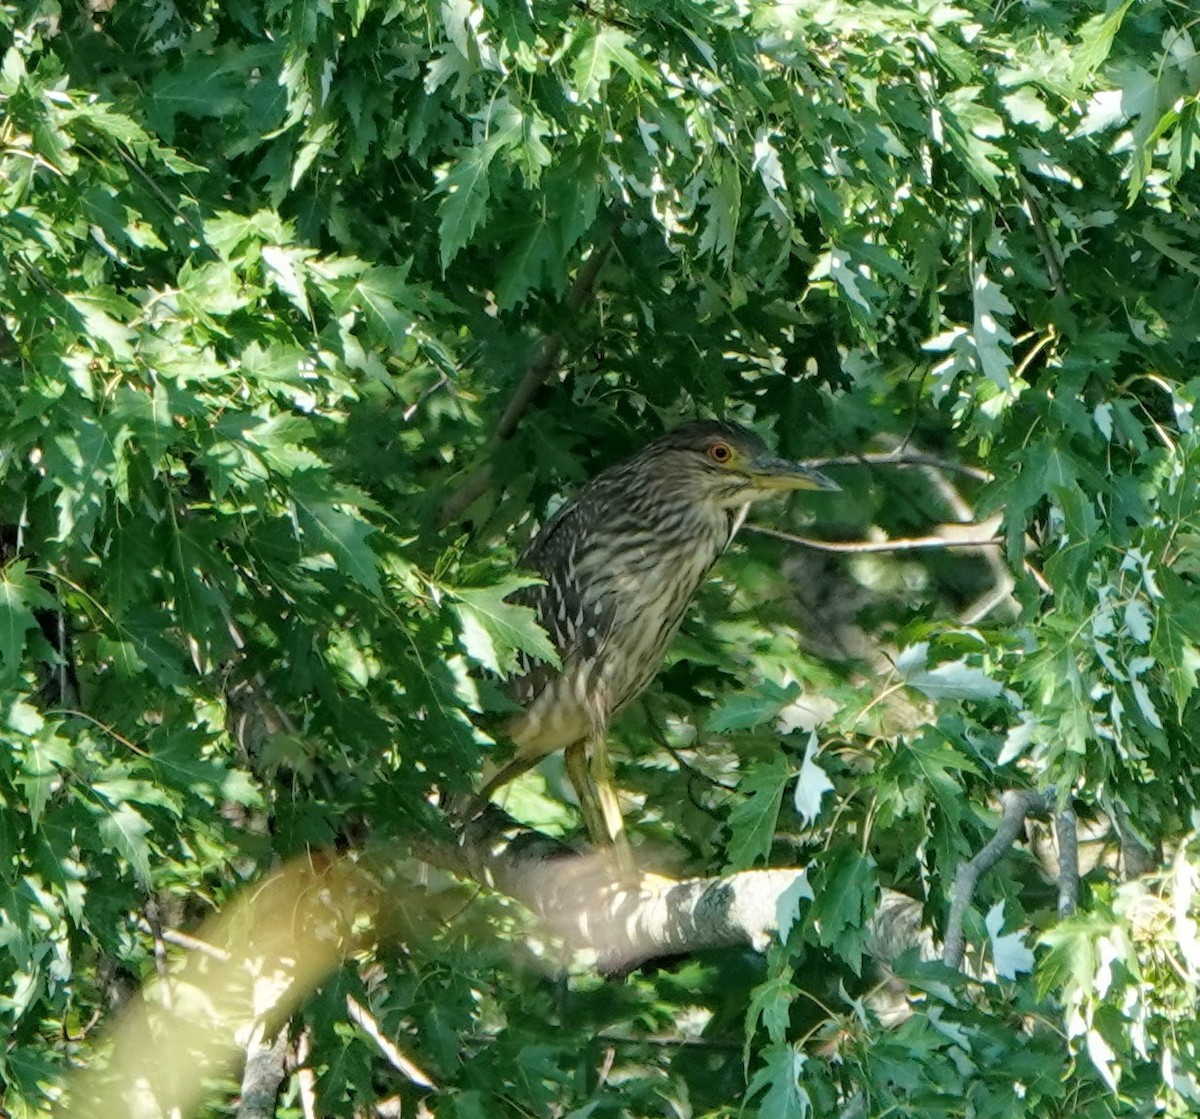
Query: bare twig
[[1016, 805], [411, 410], [988, 601], [163, 971], [1068, 861], [182, 940], [720, 1045], [901, 458], [305, 1080], [539, 368], [947, 536], [1045, 243], [363, 1018]]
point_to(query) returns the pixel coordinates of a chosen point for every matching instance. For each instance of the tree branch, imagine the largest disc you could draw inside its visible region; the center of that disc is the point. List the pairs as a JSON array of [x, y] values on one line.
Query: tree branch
[[622, 923], [1042, 236], [954, 535], [1016, 805], [901, 458], [1068, 861], [365, 1020], [539, 368], [266, 1066]]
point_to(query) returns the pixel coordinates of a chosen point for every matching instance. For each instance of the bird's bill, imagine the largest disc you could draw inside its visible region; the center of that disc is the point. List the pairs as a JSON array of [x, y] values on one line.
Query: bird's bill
[[780, 474]]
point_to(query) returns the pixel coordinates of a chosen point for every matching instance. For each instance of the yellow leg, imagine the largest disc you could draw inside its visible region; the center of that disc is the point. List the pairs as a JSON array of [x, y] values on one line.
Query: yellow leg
[[494, 777], [588, 770]]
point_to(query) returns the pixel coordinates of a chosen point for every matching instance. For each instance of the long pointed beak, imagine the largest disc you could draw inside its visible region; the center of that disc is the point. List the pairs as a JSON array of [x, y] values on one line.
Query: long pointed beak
[[770, 473]]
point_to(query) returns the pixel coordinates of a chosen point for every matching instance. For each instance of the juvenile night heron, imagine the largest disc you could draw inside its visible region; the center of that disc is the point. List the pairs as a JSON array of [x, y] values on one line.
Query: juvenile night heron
[[621, 562]]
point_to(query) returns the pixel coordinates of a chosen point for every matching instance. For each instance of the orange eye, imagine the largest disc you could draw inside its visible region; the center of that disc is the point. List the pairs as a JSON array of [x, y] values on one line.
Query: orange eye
[[720, 453]]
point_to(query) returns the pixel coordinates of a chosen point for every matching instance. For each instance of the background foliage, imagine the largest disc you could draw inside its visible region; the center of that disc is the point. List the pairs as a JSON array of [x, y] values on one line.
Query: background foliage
[[273, 276]]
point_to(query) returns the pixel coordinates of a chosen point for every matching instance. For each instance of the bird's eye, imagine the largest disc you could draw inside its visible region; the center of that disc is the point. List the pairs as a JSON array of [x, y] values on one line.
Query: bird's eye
[[720, 452]]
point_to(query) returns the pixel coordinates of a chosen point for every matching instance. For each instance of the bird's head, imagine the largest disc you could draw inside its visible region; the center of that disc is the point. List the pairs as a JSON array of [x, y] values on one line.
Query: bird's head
[[727, 465]]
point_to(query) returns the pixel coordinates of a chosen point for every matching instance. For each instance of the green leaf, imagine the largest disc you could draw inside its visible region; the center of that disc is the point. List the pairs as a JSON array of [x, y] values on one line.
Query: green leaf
[[949, 680], [493, 631], [724, 201], [992, 341], [1095, 42], [1009, 954], [382, 292], [969, 128], [812, 784], [197, 89], [845, 893], [602, 48], [787, 908], [1176, 642], [20, 595], [335, 532], [752, 709], [44, 753], [467, 189], [124, 830], [752, 822], [786, 1097], [772, 1005], [535, 257], [286, 268]]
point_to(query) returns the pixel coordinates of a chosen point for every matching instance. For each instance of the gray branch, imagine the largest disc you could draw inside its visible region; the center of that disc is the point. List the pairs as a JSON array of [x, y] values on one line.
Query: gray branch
[[1016, 805], [1068, 861], [266, 1066], [621, 922]]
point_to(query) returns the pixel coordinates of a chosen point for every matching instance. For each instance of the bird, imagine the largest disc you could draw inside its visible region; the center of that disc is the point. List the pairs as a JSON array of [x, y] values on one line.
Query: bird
[[618, 565]]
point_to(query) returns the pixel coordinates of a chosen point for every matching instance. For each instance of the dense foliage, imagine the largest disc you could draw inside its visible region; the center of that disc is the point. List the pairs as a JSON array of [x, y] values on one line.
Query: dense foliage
[[311, 310]]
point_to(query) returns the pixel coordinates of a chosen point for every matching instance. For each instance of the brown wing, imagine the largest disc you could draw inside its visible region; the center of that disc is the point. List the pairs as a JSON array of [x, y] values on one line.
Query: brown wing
[[577, 620]]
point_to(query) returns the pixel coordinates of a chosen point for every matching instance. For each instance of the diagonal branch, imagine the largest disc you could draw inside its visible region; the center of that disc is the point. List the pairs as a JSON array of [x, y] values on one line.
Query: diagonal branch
[[365, 1020], [1050, 252], [1016, 805], [539, 368]]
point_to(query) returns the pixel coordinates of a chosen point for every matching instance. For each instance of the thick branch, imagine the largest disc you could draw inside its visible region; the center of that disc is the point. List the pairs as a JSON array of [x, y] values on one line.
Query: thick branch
[[1016, 805], [266, 1065], [1068, 861], [623, 922]]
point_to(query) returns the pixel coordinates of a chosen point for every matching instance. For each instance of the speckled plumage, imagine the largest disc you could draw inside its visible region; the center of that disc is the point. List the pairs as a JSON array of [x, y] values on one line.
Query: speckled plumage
[[621, 561]]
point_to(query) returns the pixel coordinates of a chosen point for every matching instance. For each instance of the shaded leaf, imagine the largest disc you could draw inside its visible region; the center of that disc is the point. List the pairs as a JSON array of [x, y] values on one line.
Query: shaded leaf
[[752, 822]]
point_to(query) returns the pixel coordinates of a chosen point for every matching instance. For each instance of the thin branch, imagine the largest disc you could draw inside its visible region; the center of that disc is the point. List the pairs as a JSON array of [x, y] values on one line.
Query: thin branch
[[1068, 861], [988, 601], [1016, 805], [539, 368], [1045, 243], [947, 536], [411, 410], [901, 458], [163, 971], [363, 1018], [722, 1045], [306, 1081], [182, 940]]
